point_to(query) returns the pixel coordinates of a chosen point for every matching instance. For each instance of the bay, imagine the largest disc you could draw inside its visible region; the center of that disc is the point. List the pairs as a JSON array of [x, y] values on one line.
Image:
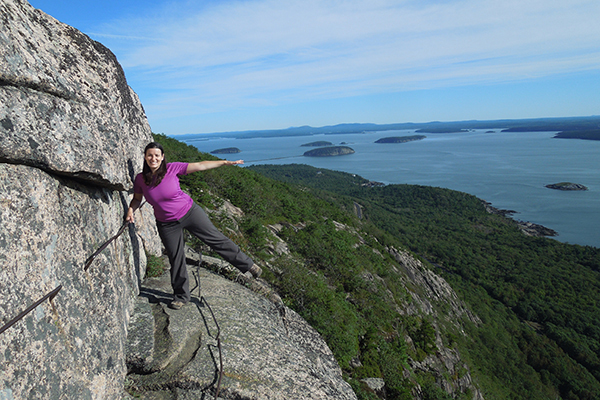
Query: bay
[[508, 169]]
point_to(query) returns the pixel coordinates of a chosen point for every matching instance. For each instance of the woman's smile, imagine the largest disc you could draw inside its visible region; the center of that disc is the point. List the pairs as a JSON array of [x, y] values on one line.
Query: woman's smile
[[154, 158]]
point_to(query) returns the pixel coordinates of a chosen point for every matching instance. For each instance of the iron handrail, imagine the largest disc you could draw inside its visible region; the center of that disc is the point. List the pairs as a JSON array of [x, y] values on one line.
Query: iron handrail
[[13, 321], [91, 258]]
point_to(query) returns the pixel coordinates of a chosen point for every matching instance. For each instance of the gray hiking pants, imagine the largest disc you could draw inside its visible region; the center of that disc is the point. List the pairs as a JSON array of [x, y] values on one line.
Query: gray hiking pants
[[198, 224]]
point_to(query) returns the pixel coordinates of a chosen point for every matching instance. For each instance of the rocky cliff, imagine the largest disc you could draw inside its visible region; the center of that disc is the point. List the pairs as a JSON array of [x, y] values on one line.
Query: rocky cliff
[[72, 132], [265, 350], [429, 292]]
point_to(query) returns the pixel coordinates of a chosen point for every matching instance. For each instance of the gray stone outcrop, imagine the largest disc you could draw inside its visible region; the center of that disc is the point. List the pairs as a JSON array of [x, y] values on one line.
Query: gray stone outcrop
[[430, 291], [72, 133], [65, 105], [73, 346], [269, 351]]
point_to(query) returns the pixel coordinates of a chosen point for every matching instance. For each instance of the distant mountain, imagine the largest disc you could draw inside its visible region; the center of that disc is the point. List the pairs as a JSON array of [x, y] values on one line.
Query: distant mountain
[[513, 125]]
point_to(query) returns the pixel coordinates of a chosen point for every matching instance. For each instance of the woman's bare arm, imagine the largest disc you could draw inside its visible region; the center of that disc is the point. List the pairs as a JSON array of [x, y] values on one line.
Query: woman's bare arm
[[133, 205], [205, 165]]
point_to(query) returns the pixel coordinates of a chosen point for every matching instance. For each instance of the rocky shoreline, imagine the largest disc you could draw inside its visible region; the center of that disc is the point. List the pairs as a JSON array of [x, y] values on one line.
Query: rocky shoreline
[[528, 228]]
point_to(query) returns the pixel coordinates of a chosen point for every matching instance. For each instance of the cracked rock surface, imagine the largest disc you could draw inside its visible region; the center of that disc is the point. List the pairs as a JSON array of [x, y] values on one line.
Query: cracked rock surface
[[56, 80], [268, 351], [72, 134]]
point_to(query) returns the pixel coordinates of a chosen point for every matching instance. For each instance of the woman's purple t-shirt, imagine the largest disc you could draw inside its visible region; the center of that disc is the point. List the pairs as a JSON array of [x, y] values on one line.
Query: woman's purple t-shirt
[[169, 201]]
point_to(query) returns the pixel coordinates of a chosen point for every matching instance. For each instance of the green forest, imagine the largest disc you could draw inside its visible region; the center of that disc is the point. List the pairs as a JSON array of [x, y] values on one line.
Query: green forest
[[537, 298]]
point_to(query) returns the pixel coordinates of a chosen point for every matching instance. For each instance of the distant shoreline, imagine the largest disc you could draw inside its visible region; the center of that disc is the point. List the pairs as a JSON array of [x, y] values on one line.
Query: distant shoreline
[[593, 134], [528, 228], [562, 124]]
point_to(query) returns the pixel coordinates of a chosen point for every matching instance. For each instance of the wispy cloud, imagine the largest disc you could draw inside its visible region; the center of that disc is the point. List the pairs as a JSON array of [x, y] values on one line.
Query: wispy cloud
[[242, 52]]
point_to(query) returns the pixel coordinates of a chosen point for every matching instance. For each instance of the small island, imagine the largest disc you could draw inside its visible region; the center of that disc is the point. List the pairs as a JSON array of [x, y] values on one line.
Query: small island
[[320, 143], [401, 139], [329, 151], [567, 186], [228, 150]]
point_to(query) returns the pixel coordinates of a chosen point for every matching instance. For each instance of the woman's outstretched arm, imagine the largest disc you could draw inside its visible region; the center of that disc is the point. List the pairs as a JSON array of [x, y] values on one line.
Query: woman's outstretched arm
[[204, 165]]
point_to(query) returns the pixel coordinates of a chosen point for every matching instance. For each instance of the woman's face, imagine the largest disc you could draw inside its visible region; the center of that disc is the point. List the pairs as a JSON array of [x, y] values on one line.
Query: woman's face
[[154, 158]]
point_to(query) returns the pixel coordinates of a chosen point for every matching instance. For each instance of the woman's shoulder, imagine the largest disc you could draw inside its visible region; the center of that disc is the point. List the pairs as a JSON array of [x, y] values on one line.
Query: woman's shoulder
[[138, 181], [177, 167]]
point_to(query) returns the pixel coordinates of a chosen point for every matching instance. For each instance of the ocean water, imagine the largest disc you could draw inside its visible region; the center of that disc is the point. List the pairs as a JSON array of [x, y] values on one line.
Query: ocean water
[[508, 169]]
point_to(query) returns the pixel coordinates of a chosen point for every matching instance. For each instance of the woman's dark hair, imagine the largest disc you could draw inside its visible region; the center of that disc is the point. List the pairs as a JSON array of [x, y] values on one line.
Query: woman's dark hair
[[149, 178]]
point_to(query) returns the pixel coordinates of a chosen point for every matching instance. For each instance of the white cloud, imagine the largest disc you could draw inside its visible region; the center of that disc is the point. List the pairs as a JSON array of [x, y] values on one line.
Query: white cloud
[[268, 51]]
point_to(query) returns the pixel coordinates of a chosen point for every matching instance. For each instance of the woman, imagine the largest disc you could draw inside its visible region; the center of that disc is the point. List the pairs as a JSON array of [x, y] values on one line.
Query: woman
[[175, 211]]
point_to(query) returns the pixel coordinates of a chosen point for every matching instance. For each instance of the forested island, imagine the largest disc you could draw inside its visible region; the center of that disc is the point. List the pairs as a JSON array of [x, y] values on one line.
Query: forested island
[[567, 186], [319, 143], [329, 151], [400, 139], [227, 150]]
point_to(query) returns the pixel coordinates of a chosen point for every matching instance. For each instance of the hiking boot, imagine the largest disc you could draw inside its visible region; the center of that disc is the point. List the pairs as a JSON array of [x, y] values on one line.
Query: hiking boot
[[176, 304], [255, 270]]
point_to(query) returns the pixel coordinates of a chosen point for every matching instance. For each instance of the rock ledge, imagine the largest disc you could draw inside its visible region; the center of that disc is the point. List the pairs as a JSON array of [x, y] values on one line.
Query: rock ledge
[[269, 351]]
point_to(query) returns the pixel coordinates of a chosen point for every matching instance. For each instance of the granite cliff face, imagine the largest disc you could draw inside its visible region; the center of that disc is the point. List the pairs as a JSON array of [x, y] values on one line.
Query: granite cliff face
[[431, 290], [72, 132], [57, 81]]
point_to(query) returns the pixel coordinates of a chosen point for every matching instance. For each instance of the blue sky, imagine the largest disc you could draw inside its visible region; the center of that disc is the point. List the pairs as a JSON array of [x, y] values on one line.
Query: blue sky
[[228, 65]]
